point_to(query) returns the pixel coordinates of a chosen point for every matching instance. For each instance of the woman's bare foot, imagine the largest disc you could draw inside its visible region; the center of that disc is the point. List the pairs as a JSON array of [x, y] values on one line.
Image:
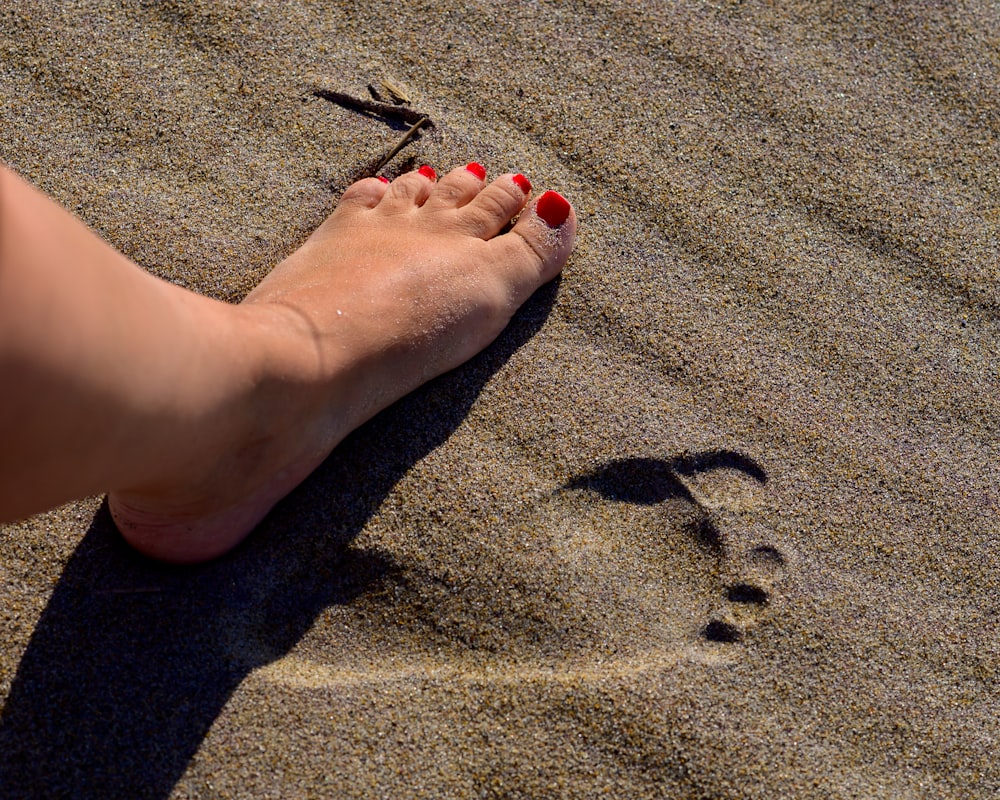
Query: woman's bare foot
[[404, 281]]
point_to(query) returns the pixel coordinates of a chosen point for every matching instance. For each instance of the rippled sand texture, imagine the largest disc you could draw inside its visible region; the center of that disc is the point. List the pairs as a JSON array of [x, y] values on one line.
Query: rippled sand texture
[[717, 517]]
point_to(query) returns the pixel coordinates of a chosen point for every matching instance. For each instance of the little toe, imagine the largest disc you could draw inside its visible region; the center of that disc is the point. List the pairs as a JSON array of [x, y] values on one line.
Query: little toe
[[365, 193], [411, 188], [492, 209]]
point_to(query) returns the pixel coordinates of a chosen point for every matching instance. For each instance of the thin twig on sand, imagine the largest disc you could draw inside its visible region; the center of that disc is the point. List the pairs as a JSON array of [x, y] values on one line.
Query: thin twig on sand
[[386, 110], [392, 111], [402, 142]]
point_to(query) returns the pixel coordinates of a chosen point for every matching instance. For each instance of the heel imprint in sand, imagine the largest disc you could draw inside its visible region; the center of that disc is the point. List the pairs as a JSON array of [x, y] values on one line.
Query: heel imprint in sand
[[721, 484]]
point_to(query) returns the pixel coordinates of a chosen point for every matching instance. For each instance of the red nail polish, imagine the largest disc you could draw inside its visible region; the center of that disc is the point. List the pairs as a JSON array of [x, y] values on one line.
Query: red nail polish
[[428, 173], [523, 183], [553, 208], [477, 169], [384, 180]]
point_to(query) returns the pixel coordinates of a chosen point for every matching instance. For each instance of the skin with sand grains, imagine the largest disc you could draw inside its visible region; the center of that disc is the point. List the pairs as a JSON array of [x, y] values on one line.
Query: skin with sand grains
[[207, 414]]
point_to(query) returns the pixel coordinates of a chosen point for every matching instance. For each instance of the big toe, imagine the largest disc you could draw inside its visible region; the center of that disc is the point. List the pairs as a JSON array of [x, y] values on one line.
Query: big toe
[[539, 244]]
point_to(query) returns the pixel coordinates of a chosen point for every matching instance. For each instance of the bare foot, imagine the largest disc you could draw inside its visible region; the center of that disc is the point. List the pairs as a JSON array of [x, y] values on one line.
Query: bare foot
[[404, 281]]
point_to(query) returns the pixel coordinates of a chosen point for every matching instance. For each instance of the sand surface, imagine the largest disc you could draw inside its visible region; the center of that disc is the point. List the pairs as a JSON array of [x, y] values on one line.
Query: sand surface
[[717, 517]]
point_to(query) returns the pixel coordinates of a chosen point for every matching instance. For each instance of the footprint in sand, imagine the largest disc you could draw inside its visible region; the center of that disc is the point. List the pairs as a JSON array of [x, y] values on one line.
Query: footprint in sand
[[724, 488], [638, 563]]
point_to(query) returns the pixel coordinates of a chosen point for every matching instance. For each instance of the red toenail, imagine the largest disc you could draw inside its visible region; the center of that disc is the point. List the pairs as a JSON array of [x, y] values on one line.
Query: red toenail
[[384, 180], [523, 183], [477, 169], [428, 173], [553, 208]]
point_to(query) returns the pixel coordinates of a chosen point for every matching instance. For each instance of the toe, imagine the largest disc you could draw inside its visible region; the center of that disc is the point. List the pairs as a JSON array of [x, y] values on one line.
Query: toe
[[458, 187], [492, 209], [366, 193], [411, 188], [551, 243], [534, 251]]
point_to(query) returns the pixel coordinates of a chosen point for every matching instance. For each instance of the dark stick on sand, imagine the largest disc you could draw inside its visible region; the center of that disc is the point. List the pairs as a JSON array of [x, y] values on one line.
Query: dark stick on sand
[[402, 142], [385, 110]]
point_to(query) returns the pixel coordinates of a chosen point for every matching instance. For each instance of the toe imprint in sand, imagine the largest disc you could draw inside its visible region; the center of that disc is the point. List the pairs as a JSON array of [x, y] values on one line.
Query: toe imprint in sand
[[725, 489], [748, 596]]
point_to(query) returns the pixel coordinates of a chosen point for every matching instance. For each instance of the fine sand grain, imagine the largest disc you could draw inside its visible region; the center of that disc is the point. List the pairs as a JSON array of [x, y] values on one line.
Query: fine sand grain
[[716, 517]]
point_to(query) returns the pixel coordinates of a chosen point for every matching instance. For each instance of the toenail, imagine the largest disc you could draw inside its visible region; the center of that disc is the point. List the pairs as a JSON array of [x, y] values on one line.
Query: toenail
[[553, 208], [477, 169], [384, 180], [523, 183], [428, 173]]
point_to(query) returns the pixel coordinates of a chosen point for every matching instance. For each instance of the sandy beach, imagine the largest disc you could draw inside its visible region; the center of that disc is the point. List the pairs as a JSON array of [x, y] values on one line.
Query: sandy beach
[[718, 516]]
